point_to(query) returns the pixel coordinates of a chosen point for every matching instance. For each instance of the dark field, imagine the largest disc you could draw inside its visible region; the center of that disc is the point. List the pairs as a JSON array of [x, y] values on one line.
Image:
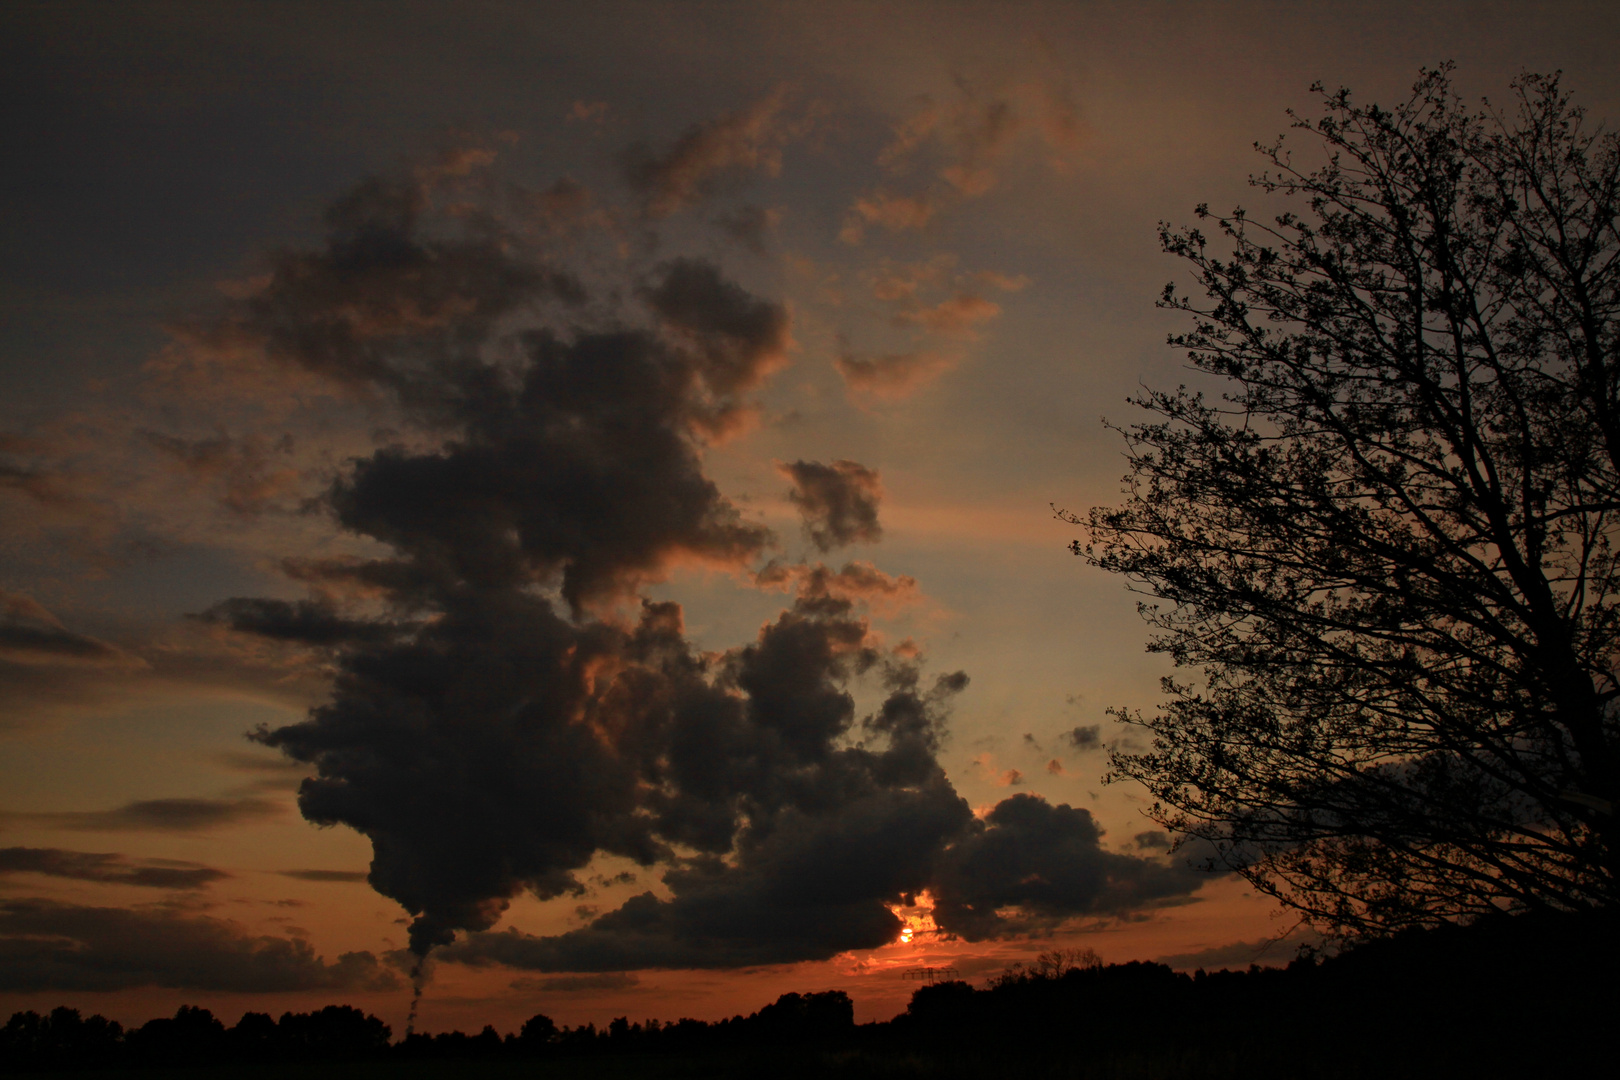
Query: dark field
[[1168, 1064]]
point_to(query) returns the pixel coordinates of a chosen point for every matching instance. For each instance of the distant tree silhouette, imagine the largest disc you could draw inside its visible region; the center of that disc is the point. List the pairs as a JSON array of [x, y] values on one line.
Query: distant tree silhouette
[[192, 1036], [335, 1033], [538, 1031], [1049, 965], [1388, 551], [62, 1038]]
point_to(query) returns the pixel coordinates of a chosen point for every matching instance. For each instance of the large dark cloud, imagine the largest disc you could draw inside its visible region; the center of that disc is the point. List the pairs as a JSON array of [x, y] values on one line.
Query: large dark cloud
[[507, 704], [1033, 865], [583, 468], [816, 888], [108, 868], [506, 746], [839, 502], [830, 835], [46, 945]]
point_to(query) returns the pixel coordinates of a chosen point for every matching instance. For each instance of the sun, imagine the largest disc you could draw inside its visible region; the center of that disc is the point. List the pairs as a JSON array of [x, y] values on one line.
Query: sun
[[916, 918]]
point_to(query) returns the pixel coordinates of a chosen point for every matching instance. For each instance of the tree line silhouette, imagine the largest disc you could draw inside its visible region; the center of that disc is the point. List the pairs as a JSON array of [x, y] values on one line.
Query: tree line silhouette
[[1531, 992]]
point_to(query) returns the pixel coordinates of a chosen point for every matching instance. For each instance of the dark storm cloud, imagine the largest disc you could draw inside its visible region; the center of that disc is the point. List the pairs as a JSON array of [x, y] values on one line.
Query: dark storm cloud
[[497, 755], [735, 338], [816, 887], [834, 835], [108, 868], [586, 467], [1033, 865], [159, 815], [503, 715], [839, 502], [491, 744], [46, 945]]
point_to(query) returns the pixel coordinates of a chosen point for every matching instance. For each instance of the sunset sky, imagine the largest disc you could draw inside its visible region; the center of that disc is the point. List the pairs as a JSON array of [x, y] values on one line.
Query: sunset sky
[[632, 429]]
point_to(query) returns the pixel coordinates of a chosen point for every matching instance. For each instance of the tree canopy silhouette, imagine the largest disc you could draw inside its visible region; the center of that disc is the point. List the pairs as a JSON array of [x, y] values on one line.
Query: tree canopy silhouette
[[1384, 556]]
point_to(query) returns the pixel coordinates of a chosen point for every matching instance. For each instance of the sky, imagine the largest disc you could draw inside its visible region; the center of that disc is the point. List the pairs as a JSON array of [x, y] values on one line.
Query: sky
[[551, 506]]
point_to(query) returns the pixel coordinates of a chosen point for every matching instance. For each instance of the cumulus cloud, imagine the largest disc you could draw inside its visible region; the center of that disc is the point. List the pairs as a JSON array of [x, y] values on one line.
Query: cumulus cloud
[[838, 502], [817, 889], [108, 868], [45, 945], [736, 339], [486, 742], [749, 140], [507, 703], [1031, 865], [552, 742], [581, 466], [890, 377], [815, 885], [158, 815], [394, 299]]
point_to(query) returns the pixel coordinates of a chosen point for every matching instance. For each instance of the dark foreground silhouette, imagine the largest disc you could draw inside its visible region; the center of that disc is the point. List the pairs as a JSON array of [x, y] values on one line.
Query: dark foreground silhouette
[[1526, 996]]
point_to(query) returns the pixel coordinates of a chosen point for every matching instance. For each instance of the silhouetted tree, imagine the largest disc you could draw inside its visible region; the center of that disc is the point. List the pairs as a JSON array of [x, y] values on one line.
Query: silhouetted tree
[[335, 1033], [193, 1036], [538, 1031], [256, 1037], [807, 1016], [63, 1038], [1387, 552]]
